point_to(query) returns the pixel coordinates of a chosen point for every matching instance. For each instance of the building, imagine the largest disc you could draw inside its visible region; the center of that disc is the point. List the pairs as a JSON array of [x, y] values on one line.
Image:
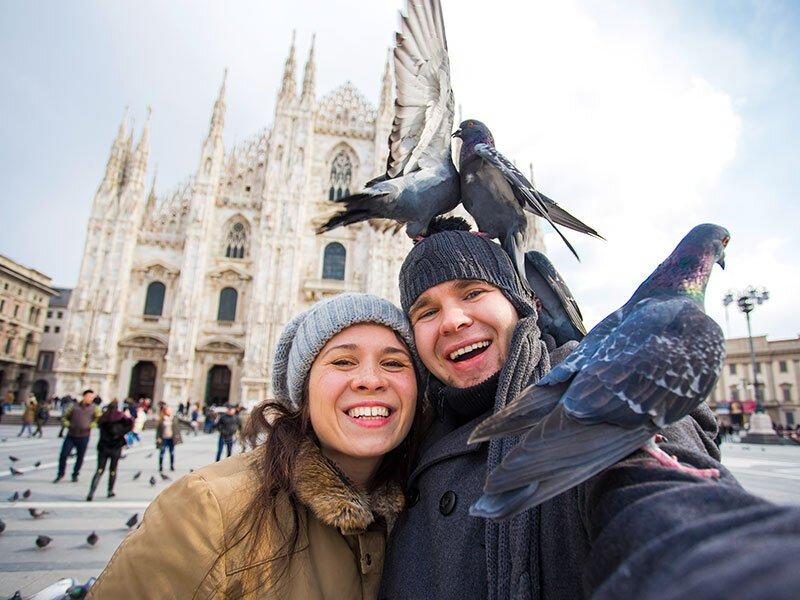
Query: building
[[24, 294], [182, 297], [778, 367], [55, 321]]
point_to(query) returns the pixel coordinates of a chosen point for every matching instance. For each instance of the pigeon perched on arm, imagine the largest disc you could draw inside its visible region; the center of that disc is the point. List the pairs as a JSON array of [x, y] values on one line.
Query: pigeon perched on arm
[[496, 194], [559, 314], [421, 181], [643, 367]]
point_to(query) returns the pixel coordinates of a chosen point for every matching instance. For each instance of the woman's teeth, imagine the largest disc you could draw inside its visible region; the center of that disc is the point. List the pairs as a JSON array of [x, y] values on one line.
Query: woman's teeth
[[368, 411], [470, 348]]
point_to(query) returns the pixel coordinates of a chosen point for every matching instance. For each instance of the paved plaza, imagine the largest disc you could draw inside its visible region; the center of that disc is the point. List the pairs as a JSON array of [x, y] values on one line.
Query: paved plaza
[[771, 471]]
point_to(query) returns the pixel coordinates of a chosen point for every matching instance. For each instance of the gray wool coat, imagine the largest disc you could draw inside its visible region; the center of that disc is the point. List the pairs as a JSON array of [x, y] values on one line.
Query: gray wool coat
[[437, 550]]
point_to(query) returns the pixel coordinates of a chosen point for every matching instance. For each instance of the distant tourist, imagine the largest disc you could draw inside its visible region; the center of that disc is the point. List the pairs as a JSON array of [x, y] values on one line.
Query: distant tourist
[[29, 416], [79, 420], [113, 426], [227, 425], [42, 417], [168, 435]]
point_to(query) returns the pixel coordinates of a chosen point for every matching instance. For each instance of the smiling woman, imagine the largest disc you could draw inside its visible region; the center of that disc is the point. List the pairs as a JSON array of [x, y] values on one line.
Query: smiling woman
[[306, 513]]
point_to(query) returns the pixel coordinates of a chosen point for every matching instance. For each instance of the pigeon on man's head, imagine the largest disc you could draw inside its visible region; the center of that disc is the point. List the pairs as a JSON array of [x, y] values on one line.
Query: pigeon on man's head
[[421, 181], [559, 315], [133, 520], [43, 540], [645, 366], [497, 195]]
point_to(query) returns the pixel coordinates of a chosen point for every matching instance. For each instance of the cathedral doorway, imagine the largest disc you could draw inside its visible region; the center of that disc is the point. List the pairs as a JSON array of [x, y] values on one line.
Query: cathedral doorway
[[143, 380], [218, 385]]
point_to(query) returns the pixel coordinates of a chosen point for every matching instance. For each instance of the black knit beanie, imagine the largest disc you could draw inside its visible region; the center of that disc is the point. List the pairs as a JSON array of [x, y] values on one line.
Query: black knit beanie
[[450, 255]]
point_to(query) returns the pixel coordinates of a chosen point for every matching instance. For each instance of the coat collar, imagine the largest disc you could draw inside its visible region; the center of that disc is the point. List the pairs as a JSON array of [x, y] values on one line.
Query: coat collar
[[333, 499]]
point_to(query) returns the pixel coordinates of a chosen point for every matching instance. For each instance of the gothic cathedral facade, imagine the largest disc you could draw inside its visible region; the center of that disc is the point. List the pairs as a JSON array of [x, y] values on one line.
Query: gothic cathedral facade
[[183, 297]]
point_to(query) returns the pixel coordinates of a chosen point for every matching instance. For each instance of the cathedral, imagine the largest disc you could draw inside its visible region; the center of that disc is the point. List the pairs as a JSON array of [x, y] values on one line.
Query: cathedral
[[182, 297]]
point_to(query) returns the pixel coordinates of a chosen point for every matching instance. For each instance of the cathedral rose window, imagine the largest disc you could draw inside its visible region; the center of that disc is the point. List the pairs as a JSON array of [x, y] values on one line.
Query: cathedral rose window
[[341, 175], [236, 240]]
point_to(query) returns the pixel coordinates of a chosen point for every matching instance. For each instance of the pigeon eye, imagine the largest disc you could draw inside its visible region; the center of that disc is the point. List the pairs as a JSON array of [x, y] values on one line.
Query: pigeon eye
[[725, 241]]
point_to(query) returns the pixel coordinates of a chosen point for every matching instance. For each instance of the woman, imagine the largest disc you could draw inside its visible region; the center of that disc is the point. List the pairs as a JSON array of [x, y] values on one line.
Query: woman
[[113, 425], [168, 435], [31, 406], [306, 513]]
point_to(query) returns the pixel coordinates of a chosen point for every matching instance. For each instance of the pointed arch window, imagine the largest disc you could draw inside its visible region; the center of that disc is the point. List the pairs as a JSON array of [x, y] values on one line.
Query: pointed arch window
[[236, 240], [154, 300], [333, 261], [341, 176], [227, 304]]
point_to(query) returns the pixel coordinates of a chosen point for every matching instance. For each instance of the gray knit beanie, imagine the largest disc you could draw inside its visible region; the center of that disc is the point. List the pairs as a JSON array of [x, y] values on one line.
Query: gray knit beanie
[[450, 255], [306, 334]]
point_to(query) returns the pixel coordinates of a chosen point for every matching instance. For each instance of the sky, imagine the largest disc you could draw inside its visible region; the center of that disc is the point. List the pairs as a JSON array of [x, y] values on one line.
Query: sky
[[641, 118]]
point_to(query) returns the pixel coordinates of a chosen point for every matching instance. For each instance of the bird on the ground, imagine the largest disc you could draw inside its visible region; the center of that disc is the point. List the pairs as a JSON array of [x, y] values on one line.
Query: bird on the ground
[[645, 366], [421, 181], [15, 471], [43, 540], [559, 314], [152, 480], [137, 475], [26, 494], [133, 520], [13, 497], [92, 538], [37, 514], [149, 455], [37, 464], [2, 526], [497, 195], [12, 458], [165, 477]]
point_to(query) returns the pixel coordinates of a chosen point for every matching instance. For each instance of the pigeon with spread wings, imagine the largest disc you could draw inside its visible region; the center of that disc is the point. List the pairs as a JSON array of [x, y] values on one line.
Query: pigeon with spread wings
[[645, 366], [421, 181]]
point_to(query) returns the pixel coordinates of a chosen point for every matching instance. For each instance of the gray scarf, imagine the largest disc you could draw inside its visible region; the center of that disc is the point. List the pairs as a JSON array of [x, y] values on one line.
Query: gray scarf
[[508, 544]]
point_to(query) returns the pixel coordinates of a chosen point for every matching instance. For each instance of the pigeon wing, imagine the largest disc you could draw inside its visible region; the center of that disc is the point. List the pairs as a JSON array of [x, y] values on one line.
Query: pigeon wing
[[424, 103], [657, 366], [550, 288]]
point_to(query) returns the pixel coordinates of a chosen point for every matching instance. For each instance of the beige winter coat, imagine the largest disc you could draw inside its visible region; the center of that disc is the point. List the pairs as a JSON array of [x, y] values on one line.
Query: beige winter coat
[[178, 551]]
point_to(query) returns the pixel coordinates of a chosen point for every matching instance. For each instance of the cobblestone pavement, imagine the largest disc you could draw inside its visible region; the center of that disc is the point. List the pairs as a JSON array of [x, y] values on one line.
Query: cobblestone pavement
[[770, 471]]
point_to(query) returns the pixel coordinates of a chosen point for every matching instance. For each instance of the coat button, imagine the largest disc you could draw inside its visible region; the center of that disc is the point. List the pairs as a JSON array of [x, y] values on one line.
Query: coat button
[[447, 503], [413, 496]]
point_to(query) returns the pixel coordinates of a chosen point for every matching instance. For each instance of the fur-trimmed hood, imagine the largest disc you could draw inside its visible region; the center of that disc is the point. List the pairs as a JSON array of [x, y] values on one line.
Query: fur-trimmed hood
[[333, 499]]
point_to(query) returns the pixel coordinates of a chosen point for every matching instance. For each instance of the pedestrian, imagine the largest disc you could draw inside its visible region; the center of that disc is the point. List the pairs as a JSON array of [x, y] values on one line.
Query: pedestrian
[[168, 435], [113, 425], [306, 512], [139, 422], [194, 417], [79, 420], [29, 416], [228, 426], [42, 417], [66, 402]]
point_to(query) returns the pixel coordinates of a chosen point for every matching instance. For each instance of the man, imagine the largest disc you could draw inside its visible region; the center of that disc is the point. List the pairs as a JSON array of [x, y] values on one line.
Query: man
[[475, 329], [227, 426], [79, 420]]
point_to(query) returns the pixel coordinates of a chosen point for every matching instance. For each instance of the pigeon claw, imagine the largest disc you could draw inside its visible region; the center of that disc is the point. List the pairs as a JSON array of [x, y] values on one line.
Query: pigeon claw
[[671, 462]]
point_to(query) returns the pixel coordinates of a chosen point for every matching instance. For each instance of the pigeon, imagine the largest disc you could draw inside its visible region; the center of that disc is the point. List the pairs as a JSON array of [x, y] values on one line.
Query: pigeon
[[37, 514], [26, 494], [15, 471], [165, 477], [43, 540], [37, 464], [152, 480], [645, 366], [2, 526], [497, 195], [12, 458], [13, 497], [149, 455], [559, 315], [421, 180], [137, 475], [92, 538], [133, 520]]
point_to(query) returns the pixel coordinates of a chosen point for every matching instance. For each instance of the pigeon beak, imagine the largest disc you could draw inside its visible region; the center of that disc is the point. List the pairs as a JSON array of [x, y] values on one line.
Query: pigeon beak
[[721, 261], [456, 134]]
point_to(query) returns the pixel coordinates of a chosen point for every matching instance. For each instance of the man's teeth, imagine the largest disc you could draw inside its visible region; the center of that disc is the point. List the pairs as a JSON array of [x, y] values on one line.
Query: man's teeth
[[470, 348], [368, 411]]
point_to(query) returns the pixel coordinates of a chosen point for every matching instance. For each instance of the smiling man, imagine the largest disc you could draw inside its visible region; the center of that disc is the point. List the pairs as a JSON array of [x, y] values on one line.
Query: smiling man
[[475, 327]]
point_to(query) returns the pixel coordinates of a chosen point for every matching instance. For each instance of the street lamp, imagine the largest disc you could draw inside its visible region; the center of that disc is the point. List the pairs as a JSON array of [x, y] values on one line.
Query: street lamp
[[747, 300]]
